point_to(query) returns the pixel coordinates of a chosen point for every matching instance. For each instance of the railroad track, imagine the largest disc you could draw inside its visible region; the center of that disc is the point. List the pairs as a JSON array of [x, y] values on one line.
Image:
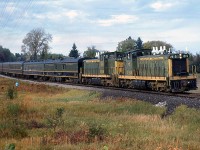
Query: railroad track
[[183, 95]]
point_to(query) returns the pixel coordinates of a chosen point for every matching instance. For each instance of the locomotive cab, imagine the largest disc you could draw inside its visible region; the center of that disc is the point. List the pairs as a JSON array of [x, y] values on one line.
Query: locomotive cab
[[179, 77], [111, 63]]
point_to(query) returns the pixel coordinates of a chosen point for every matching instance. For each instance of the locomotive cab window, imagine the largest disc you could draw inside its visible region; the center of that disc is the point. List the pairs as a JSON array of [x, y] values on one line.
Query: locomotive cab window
[[134, 55], [128, 56], [139, 54]]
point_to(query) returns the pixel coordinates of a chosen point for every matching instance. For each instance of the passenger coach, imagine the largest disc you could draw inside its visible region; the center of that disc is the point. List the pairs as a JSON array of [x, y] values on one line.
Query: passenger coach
[[13, 68]]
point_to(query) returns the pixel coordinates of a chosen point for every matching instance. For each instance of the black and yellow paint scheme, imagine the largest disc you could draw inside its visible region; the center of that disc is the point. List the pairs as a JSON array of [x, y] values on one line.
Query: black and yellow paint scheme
[[167, 72], [140, 69], [103, 70]]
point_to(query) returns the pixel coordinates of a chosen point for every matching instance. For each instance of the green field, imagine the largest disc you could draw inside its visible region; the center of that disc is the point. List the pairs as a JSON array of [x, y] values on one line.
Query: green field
[[41, 117]]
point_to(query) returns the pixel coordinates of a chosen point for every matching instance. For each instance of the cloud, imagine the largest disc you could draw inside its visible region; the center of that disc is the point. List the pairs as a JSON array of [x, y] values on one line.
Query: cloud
[[72, 14], [10, 8], [117, 19], [55, 3], [178, 35], [82, 41], [162, 6]]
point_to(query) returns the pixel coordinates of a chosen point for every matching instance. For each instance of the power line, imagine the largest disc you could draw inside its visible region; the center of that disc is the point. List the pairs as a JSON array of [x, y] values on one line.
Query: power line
[[3, 10], [19, 19], [9, 12]]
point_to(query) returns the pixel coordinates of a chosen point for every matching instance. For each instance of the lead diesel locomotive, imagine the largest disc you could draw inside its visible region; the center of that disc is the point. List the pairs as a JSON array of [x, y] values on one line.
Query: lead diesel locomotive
[[138, 69]]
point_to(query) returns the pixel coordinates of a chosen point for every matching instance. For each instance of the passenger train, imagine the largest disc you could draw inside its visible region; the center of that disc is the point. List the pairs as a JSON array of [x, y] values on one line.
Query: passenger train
[[140, 69]]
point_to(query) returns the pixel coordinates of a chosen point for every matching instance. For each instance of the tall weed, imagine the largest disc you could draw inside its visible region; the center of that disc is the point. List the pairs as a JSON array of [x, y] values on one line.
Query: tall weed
[[11, 92]]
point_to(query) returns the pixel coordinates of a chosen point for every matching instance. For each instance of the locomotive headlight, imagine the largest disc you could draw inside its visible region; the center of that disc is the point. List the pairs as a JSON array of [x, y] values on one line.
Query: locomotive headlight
[[180, 55]]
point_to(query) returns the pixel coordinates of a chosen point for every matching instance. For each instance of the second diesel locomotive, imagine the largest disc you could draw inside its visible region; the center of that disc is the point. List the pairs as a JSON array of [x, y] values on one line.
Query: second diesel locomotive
[[133, 69], [142, 70]]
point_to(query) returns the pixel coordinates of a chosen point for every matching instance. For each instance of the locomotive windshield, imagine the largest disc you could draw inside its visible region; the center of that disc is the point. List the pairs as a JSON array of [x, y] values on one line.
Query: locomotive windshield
[[179, 67]]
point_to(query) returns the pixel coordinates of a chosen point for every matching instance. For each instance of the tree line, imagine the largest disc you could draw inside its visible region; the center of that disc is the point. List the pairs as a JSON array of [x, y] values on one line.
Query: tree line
[[36, 47]]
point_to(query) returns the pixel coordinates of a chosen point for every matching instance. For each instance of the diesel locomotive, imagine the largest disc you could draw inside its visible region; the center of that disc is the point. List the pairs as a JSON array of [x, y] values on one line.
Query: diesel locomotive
[[138, 69]]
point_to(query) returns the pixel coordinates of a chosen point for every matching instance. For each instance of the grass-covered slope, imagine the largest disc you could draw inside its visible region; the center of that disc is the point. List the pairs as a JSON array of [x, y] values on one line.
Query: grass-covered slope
[[43, 117]]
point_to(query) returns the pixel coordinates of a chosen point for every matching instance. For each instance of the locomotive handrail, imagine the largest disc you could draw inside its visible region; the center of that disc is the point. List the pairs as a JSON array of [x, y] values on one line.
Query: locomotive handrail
[[194, 69]]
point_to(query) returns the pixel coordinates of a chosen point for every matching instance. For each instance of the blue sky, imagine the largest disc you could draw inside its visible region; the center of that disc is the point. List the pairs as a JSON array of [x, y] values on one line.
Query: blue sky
[[101, 23]]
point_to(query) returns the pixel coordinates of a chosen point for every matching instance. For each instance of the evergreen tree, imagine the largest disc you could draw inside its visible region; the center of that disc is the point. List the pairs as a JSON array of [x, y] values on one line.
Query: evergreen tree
[[139, 43], [74, 52]]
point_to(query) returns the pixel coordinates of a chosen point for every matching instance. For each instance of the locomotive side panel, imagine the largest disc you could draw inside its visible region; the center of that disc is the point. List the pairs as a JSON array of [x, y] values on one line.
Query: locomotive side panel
[[153, 66], [92, 67]]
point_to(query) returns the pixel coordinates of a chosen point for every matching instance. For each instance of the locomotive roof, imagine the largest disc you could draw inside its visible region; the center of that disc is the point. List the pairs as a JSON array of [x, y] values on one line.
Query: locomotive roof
[[112, 53], [138, 50]]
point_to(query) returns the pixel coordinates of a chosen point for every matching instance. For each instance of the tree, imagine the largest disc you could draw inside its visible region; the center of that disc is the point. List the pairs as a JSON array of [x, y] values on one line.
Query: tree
[[74, 52], [55, 56], [127, 45], [6, 55], [35, 43], [150, 44], [90, 52], [139, 43], [19, 57]]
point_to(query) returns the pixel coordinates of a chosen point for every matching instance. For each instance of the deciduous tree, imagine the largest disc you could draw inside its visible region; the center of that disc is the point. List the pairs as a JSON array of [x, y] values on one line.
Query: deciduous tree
[[36, 42], [90, 52], [150, 44], [127, 45]]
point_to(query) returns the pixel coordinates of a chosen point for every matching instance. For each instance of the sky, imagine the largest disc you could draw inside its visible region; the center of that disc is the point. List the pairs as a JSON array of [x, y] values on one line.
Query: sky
[[101, 23]]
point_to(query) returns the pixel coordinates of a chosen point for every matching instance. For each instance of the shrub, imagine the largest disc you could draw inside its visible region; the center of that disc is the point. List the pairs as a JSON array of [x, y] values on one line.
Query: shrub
[[56, 119], [10, 147], [11, 92], [96, 131], [59, 112]]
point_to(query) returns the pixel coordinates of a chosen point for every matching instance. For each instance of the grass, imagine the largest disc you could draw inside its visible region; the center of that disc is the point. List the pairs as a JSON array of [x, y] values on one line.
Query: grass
[[45, 117]]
